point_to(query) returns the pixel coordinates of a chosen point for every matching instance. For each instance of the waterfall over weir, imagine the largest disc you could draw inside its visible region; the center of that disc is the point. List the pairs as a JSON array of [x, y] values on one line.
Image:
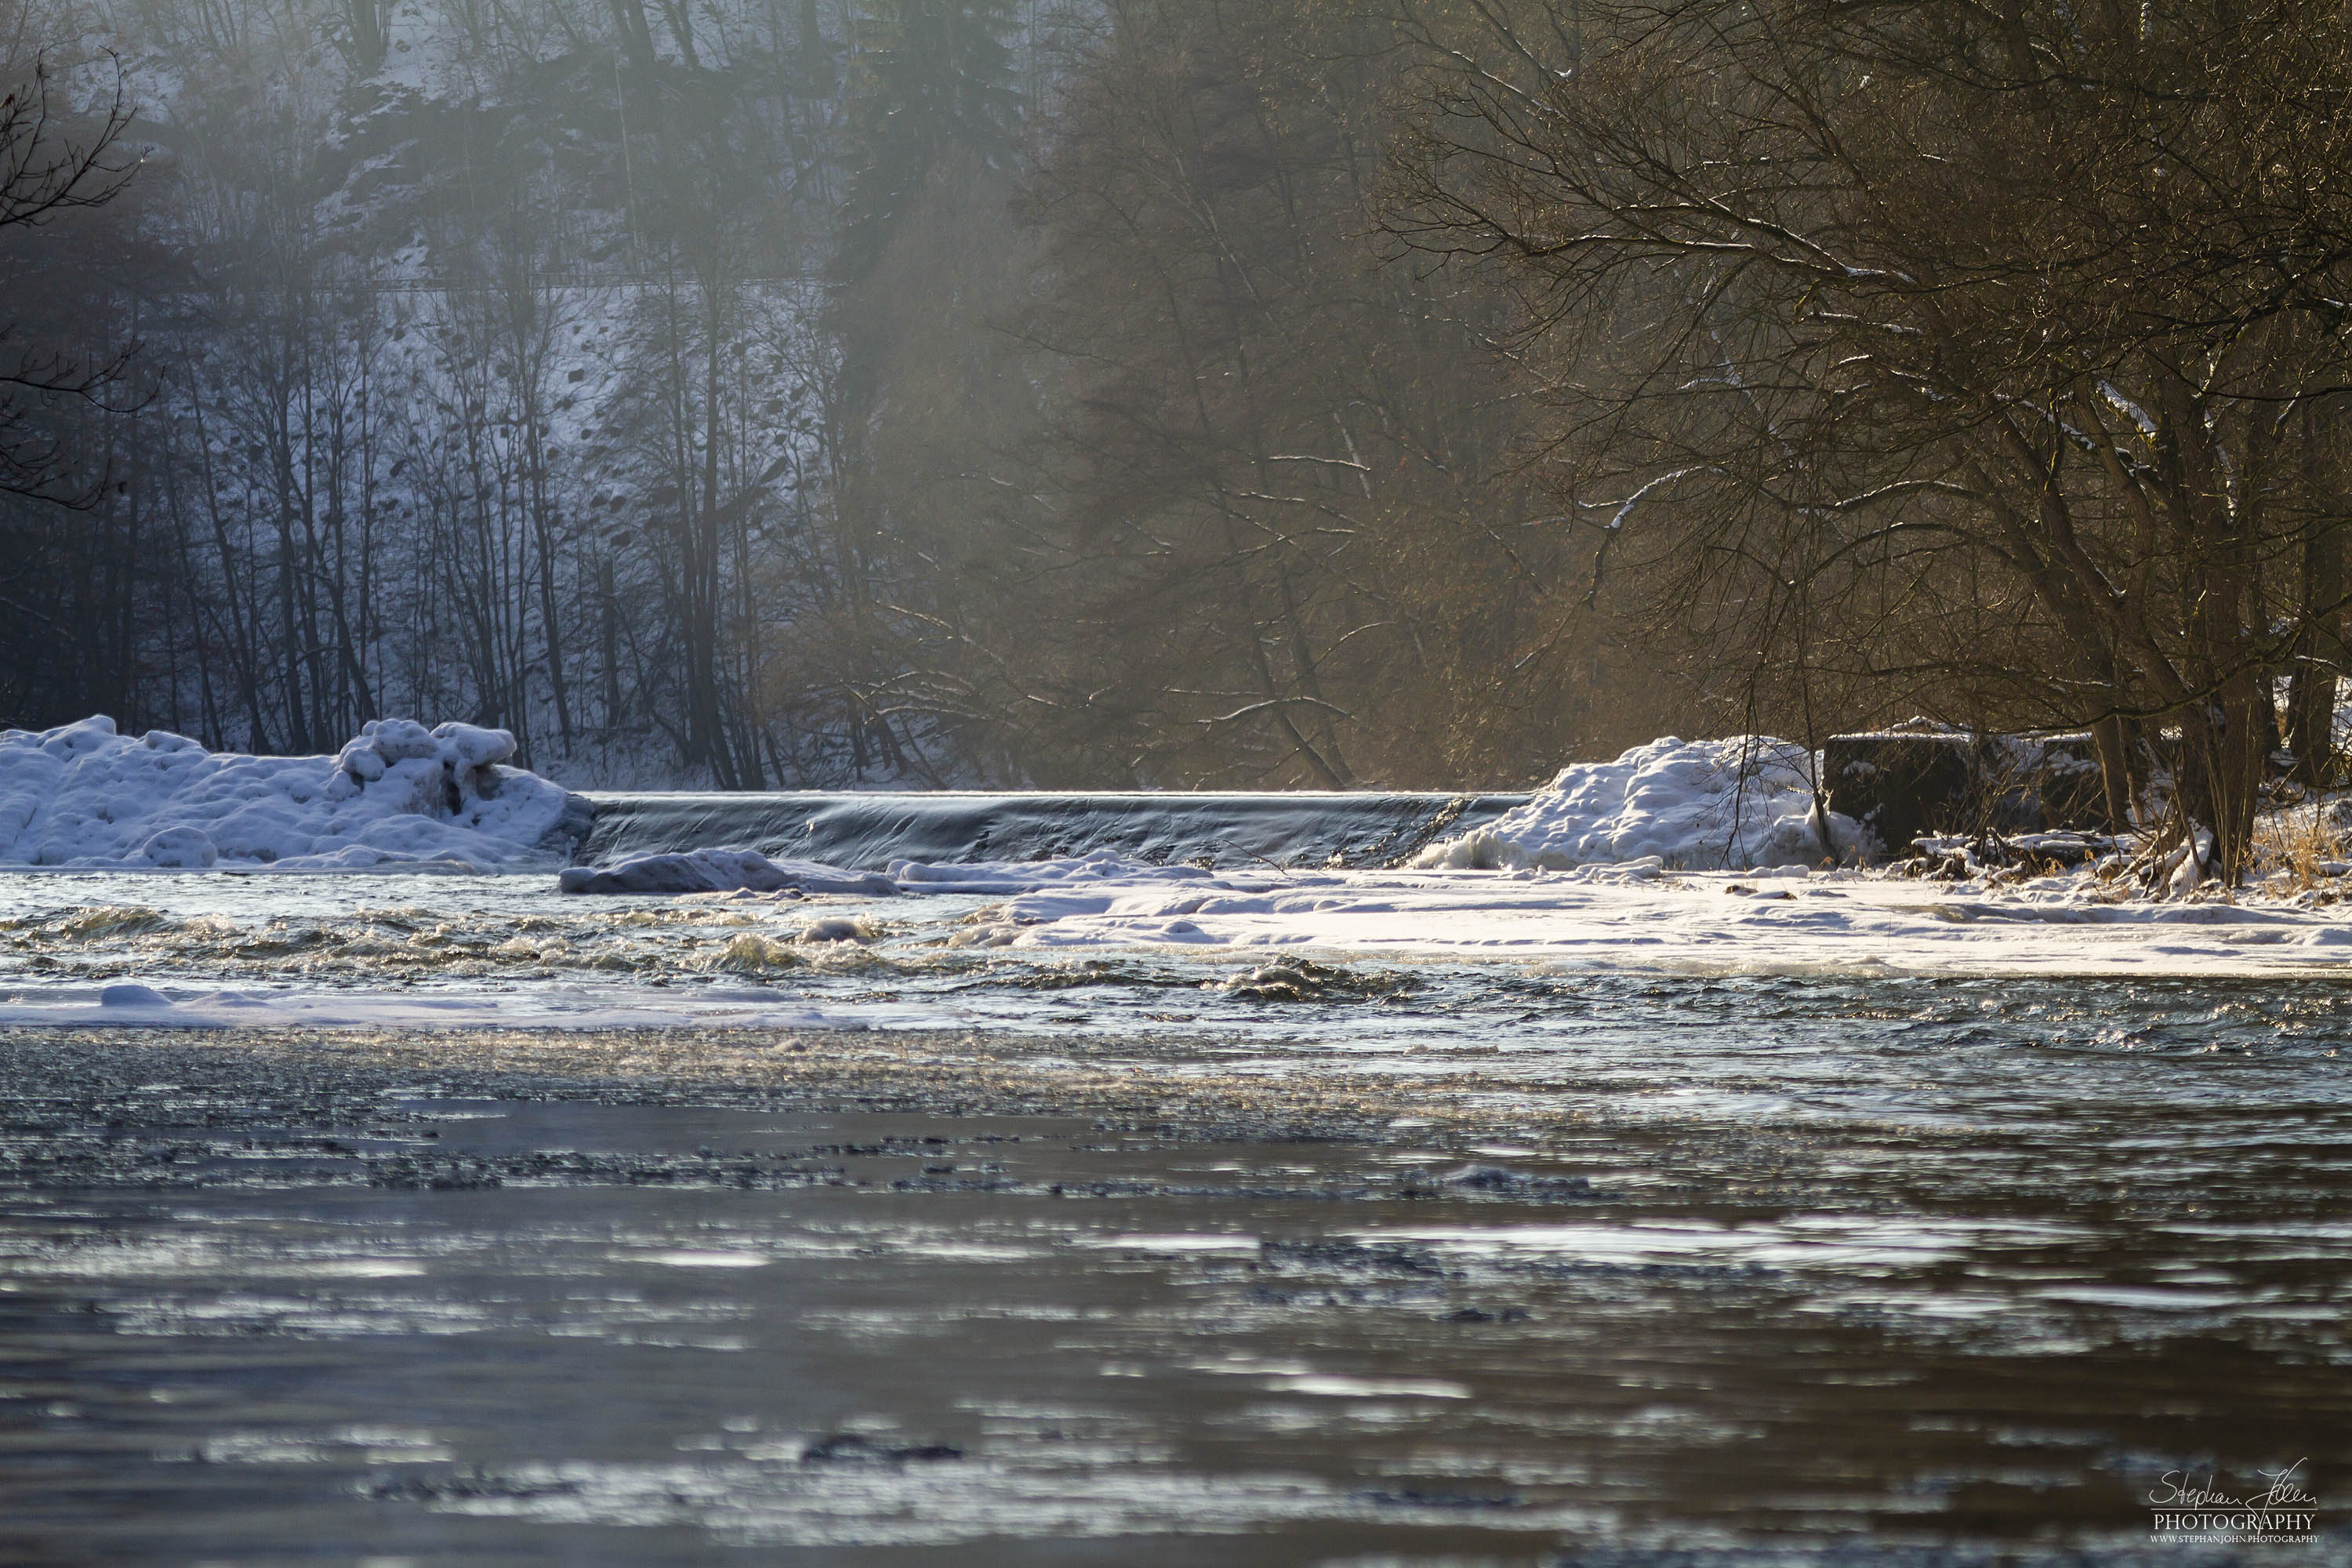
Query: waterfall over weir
[[868, 830]]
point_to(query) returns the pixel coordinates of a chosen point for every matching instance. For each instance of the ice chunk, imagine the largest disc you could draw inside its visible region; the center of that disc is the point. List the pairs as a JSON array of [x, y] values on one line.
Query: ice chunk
[[400, 740], [471, 746], [74, 739], [838, 929], [361, 759], [184, 848]]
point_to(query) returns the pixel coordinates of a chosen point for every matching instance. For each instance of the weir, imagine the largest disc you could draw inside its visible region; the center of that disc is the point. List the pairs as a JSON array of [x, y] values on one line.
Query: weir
[[867, 830]]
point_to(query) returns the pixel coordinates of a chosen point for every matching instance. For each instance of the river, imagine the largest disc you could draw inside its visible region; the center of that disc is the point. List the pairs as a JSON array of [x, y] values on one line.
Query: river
[[883, 1250]]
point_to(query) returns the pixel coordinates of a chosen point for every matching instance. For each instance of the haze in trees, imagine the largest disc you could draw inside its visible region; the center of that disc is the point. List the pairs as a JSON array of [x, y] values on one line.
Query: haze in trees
[[816, 392], [1991, 357]]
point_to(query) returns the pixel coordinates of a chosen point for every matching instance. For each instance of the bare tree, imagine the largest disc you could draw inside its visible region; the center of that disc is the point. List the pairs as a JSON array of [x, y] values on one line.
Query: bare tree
[[1935, 304], [54, 162]]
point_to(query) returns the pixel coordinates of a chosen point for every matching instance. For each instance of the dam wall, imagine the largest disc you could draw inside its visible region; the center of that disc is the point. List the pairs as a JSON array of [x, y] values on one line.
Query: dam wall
[[867, 830]]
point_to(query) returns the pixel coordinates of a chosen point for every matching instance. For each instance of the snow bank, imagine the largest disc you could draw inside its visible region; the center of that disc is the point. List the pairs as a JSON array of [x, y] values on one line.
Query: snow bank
[[1695, 804], [398, 794]]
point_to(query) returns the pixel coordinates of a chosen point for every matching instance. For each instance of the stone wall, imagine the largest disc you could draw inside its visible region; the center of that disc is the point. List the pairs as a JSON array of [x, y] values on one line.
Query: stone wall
[[1904, 784]]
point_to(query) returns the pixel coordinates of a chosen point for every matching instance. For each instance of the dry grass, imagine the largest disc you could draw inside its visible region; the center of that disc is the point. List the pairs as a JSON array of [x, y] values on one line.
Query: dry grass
[[2297, 839]]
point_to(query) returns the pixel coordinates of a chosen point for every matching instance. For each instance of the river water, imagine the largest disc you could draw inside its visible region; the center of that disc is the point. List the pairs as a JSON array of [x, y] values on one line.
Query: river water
[[1131, 1257]]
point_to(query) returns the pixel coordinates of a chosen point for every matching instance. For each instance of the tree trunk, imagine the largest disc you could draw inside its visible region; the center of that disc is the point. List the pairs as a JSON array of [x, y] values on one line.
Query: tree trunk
[[2112, 738], [2318, 658]]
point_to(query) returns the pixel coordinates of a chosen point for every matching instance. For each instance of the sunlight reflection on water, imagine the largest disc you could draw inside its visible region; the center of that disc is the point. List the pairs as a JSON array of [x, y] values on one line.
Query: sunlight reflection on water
[[1712, 1259]]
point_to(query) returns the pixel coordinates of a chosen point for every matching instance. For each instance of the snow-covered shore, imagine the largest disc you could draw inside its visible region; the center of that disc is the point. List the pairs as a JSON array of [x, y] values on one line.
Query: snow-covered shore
[[396, 796], [1680, 857], [1734, 803], [1552, 889]]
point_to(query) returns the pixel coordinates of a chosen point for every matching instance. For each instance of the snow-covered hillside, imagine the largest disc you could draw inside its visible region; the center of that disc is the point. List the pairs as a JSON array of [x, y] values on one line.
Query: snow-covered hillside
[[397, 796], [445, 325]]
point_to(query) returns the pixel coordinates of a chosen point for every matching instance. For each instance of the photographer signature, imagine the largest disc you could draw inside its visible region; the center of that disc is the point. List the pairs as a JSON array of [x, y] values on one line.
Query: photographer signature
[[2285, 1490]]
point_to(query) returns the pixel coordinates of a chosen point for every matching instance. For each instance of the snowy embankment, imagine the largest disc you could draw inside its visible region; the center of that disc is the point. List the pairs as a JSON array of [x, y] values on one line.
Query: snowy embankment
[[1649, 862], [735, 944], [1734, 805], [398, 796]]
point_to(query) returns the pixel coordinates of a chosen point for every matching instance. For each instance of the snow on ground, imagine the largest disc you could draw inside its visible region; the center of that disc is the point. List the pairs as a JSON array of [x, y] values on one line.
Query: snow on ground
[[397, 795], [1742, 802]]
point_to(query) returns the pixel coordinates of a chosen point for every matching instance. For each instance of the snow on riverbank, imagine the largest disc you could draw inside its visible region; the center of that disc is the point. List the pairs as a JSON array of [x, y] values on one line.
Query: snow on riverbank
[[713, 936], [396, 796], [1739, 803], [1617, 866]]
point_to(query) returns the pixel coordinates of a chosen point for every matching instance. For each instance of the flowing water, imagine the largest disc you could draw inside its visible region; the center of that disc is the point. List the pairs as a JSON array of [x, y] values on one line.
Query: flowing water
[[1292, 828], [1133, 1257]]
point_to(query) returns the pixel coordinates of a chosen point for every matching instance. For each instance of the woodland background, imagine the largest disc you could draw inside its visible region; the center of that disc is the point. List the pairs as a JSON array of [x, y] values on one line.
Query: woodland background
[[1296, 392]]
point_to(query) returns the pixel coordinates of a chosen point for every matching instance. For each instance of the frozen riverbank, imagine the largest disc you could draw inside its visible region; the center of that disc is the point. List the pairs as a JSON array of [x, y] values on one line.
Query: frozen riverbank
[[368, 938], [396, 794]]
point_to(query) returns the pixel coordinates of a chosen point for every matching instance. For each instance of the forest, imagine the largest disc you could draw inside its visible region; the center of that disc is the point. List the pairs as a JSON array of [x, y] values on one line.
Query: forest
[[1083, 393]]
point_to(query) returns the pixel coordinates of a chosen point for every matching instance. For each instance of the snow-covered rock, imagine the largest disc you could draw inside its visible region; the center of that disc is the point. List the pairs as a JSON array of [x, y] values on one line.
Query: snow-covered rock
[[1695, 804], [397, 795], [182, 847]]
